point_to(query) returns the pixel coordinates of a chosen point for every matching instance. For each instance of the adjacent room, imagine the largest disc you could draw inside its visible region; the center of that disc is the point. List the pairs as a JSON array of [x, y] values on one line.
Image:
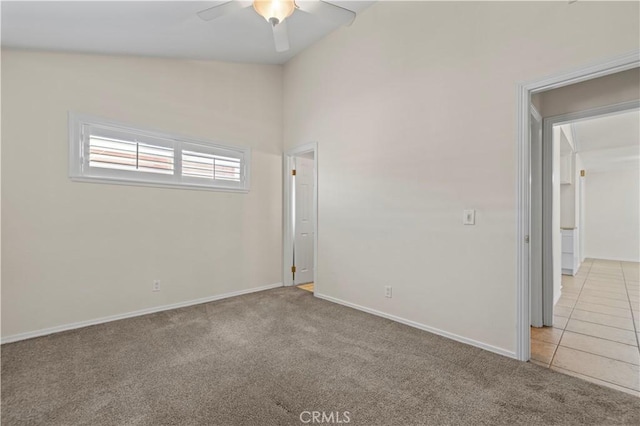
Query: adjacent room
[[299, 212], [596, 243]]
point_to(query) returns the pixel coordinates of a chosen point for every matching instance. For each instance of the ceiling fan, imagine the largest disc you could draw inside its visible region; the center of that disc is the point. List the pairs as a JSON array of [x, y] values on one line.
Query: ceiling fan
[[277, 11]]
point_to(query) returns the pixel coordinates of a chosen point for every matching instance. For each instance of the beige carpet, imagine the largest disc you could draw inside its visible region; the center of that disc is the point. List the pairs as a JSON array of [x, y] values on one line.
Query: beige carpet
[[264, 358]]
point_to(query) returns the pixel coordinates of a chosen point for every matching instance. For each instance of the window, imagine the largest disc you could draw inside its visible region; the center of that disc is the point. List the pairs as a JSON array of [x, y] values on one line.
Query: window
[[105, 151]]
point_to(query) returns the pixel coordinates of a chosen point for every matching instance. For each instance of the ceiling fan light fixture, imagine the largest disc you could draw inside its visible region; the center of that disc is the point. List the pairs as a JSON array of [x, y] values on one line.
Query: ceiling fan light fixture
[[274, 11]]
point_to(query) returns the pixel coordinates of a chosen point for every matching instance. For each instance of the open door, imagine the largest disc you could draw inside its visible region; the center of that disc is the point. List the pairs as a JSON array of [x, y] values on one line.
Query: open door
[[300, 211], [304, 236]]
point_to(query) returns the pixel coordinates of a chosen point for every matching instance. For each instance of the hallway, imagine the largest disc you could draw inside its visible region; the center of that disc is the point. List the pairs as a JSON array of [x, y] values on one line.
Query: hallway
[[596, 328]]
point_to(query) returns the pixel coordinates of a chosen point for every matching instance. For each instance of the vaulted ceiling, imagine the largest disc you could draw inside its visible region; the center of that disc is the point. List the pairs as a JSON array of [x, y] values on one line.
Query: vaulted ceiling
[[151, 28]]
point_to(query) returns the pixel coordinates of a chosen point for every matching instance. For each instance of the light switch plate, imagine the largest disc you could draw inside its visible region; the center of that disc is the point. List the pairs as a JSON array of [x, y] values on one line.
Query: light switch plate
[[469, 217]]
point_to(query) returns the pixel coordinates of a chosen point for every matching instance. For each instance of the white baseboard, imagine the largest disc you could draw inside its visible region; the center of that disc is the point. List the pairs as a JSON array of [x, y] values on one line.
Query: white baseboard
[[80, 324], [461, 339]]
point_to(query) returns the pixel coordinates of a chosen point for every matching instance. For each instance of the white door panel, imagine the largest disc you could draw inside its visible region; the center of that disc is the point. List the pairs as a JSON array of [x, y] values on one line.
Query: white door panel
[[303, 221]]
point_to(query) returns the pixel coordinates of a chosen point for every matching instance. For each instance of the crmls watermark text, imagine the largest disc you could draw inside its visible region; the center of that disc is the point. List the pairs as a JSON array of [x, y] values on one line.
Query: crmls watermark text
[[317, 417]]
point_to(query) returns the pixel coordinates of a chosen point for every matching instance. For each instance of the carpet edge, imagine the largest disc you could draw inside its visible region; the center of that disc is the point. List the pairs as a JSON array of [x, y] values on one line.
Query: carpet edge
[[414, 324], [80, 324]]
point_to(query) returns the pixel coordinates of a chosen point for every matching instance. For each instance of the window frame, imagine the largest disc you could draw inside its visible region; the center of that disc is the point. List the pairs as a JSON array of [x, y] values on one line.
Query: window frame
[[79, 170]]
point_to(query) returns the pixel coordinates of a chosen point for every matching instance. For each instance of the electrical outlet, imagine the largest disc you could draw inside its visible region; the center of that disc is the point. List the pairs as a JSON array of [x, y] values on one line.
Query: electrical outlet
[[156, 285], [387, 291], [469, 217]]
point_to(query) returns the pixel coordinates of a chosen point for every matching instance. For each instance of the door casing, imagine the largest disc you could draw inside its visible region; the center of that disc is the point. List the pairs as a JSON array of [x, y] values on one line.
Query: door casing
[[535, 229], [287, 198], [303, 217], [523, 202]]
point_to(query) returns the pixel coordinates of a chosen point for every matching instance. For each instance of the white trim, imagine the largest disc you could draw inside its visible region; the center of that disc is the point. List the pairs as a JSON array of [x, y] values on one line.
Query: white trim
[[81, 324], [461, 339], [524, 91], [79, 170], [287, 225], [596, 69], [548, 258], [591, 113], [535, 113], [535, 218], [129, 182], [523, 314]]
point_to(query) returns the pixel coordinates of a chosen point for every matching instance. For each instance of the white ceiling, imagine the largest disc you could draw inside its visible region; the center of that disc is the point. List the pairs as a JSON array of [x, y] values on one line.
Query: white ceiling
[[157, 28], [610, 131], [607, 142]]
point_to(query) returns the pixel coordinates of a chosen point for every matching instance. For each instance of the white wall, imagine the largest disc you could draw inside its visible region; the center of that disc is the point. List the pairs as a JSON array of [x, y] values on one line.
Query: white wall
[[612, 214], [80, 251], [568, 209], [580, 206], [414, 110], [568, 206], [608, 90]]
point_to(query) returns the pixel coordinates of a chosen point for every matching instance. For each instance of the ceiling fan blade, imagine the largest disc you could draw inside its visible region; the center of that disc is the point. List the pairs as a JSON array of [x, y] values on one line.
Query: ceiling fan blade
[[327, 11], [281, 37], [219, 10]]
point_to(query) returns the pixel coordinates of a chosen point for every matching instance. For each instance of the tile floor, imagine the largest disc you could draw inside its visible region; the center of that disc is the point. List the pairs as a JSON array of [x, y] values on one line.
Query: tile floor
[[596, 326], [308, 287]]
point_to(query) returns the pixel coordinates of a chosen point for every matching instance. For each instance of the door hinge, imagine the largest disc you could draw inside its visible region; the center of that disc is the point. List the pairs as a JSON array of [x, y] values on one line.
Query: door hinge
[[293, 269], [526, 239], [582, 173], [293, 172]]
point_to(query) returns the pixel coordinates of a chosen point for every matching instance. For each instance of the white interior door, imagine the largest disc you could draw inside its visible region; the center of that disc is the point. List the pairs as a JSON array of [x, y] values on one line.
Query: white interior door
[[303, 221]]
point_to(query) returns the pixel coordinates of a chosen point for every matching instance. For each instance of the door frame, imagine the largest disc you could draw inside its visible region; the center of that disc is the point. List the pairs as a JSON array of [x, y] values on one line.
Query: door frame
[[547, 202], [287, 225], [523, 197], [536, 277]]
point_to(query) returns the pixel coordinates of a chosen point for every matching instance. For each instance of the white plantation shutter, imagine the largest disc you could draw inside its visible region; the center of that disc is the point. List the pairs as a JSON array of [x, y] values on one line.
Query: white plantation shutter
[[127, 155], [210, 163], [112, 152]]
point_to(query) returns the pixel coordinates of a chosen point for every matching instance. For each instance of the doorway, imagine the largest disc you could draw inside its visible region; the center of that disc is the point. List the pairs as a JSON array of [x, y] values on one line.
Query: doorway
[[593, 239], [524, 210], [585, 304], [557, 230], [300, 217], [599, 140]]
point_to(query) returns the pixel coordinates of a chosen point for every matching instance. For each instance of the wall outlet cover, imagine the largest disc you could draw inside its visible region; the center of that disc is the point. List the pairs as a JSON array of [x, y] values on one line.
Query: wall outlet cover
[[388, 291], [469, 217]]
